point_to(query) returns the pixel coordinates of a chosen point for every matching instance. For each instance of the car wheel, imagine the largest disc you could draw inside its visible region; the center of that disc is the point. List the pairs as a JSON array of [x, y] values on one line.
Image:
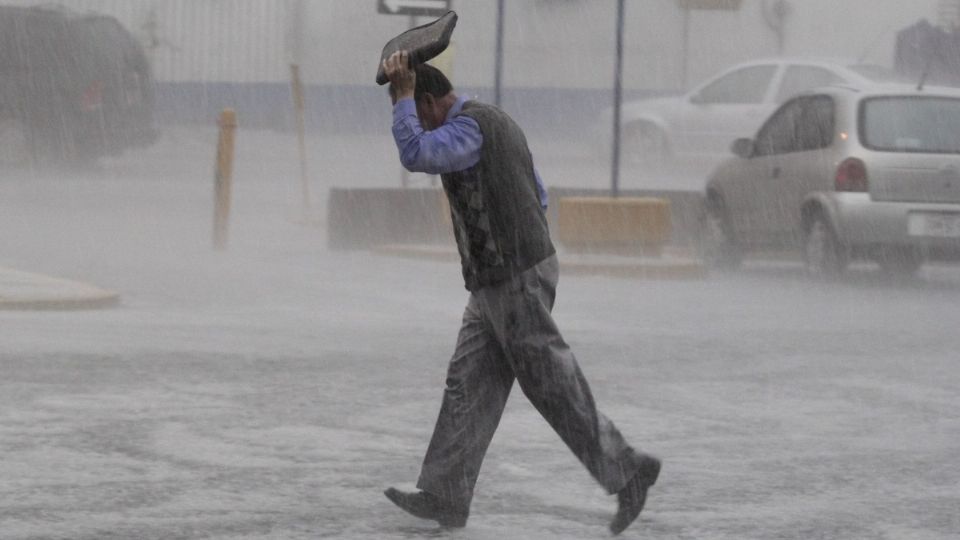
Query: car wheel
[[14, 144], [719, 249], [899, 262], [822, 255], [646, 145]]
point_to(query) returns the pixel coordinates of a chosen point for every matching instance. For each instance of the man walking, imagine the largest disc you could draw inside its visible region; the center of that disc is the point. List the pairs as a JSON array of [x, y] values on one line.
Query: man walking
[[509, 264]]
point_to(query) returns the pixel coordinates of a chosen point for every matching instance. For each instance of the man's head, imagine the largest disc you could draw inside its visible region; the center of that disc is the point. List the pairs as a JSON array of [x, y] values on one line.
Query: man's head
[[433, 95]]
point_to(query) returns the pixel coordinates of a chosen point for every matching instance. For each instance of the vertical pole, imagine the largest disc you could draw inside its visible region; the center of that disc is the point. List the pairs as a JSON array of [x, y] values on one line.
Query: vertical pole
[[404, 173], [223, 178], [685, 51], [498, 63], [783, 10], [299, 106], [298, 17], [617, 101]]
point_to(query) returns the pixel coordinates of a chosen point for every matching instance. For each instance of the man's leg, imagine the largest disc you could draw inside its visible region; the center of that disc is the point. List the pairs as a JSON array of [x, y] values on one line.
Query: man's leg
[[550, 377], [478, 383]]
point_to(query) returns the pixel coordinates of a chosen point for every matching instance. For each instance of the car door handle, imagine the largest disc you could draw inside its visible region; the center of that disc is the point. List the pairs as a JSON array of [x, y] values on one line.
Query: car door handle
[[775, 173]]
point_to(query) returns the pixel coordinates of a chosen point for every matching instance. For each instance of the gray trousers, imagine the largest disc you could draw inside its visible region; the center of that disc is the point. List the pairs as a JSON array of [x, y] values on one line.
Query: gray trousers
[[508, 333]]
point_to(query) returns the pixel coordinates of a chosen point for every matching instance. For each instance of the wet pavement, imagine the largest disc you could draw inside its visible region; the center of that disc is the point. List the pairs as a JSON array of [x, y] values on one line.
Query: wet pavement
[[286, 420], [273, 390]]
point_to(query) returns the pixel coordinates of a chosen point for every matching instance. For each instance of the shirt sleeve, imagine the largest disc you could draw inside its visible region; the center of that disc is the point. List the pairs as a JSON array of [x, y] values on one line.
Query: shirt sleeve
[[541, 189], [454, 146]]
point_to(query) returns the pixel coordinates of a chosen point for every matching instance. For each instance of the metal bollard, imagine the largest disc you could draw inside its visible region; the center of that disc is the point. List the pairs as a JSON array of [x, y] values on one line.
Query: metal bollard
[[223, 178]]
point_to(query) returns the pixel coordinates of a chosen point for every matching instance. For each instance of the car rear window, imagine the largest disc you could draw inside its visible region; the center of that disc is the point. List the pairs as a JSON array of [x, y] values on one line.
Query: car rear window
[[923, 124]]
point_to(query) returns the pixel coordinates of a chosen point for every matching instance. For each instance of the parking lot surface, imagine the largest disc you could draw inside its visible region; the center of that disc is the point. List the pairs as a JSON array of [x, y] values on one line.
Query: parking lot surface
[[273, 390]]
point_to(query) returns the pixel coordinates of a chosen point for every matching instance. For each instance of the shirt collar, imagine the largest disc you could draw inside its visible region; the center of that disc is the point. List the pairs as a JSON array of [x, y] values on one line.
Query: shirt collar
[[456, 108]]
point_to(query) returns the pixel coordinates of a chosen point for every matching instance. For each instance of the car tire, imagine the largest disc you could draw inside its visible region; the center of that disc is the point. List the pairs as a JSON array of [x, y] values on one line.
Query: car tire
[[822, 254], [719, 248], [15, 151], [646, 145], [899, 262]]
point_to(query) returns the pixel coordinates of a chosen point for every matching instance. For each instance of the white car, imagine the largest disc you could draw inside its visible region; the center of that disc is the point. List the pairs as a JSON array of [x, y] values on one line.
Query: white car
[[703, 122], [839, 173]]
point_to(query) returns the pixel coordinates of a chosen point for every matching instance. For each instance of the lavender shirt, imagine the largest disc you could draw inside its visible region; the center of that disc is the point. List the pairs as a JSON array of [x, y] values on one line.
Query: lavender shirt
[[454, 146]]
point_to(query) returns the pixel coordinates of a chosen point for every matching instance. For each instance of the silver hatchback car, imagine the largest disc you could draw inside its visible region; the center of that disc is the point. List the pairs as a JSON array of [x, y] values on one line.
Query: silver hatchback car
[[840, 173]]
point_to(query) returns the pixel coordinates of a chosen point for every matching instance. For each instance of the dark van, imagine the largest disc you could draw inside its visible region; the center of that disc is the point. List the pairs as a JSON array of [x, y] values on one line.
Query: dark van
[[73, 87]]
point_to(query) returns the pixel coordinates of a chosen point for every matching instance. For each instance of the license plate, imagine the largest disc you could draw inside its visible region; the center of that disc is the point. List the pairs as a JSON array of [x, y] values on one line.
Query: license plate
[[936, 225]]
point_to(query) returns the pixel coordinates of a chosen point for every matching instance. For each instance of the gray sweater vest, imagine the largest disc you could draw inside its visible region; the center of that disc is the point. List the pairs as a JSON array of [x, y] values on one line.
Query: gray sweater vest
[[498, 223]]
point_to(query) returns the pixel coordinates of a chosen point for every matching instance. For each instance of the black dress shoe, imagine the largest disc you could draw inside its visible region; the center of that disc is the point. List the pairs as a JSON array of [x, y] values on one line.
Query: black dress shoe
[[427, 506], [634, 494]]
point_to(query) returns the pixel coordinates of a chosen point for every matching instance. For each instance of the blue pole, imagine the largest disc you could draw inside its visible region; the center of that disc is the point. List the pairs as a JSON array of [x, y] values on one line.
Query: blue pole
[[498, 74], [617, 100]]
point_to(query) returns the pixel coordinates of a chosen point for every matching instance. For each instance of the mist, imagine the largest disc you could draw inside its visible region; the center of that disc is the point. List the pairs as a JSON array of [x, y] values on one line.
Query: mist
[[272, 388]]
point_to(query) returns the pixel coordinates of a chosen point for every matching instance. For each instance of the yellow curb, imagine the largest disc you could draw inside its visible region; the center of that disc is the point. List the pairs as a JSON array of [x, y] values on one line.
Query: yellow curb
[[420, 252], [680, 267], [641, 269], [628, 225], [61, 304], [21, 291]]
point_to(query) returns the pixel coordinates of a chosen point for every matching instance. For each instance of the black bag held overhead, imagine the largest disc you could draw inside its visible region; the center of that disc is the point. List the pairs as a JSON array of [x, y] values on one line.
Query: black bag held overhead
[[423, 43]]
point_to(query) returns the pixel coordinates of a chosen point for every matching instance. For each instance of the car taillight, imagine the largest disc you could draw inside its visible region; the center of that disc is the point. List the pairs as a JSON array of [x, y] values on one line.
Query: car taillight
[[851, 176], [92, 97]]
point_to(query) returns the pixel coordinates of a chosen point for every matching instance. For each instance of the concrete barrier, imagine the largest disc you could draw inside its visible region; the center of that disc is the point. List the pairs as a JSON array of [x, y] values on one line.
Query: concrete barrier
[[621, 225], [686, 208], [363, 218]]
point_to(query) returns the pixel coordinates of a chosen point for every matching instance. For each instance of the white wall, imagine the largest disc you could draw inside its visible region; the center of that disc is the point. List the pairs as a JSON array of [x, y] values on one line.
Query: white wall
[[549, 43], [570, 43], [821, 28]]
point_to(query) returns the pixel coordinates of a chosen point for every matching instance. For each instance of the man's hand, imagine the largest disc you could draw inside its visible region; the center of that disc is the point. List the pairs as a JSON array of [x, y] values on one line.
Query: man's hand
[[403, 80]]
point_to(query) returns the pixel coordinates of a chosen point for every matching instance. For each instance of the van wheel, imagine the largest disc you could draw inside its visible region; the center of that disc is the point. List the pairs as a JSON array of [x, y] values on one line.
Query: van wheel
[[718, 247], [822, 254], [14, 144]]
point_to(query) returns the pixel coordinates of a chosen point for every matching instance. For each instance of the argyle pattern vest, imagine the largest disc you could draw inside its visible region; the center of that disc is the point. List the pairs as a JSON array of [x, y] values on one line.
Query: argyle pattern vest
[[498, 223]]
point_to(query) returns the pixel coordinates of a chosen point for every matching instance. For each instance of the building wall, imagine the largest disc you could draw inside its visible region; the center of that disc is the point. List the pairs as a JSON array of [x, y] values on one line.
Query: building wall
[[254, 40], [559, 54]]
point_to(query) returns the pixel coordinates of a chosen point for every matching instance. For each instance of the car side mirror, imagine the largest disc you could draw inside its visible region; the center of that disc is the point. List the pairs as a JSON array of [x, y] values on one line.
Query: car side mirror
[[743, 148]]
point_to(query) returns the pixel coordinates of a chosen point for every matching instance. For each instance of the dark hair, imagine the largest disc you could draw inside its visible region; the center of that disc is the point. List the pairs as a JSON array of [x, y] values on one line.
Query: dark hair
[[431, 80]]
